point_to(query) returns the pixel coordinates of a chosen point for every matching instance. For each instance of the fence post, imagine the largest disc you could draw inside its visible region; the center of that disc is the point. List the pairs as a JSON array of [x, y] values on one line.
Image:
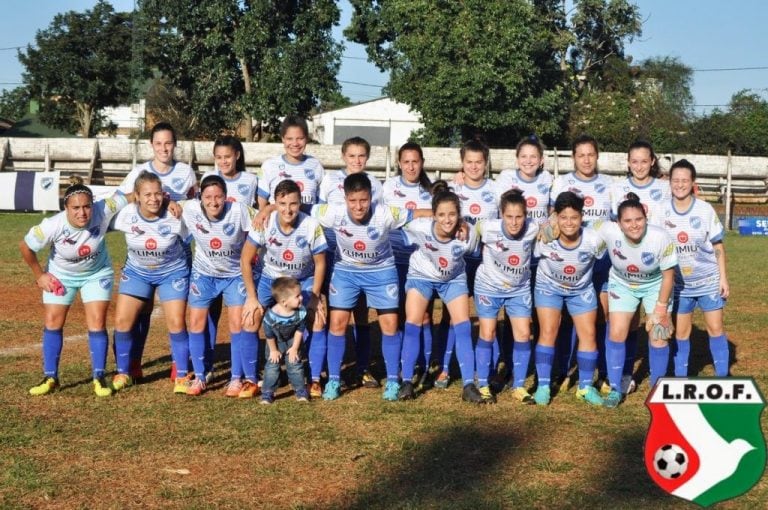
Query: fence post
[[556, 169], [728, 199]]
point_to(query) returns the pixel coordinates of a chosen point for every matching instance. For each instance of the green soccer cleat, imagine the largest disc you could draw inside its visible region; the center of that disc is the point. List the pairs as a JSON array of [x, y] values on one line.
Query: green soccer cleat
[[101, 388], [332, 390], [542, 395], [390, 391], [590, 395], [612, 400], [46, 386]]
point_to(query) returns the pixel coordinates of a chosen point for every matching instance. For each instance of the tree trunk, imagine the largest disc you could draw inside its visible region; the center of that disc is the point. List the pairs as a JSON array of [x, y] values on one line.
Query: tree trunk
[[248, 120], [84, 118]]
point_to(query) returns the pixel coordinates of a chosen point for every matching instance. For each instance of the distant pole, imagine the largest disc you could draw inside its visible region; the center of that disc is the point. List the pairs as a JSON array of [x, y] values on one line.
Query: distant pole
[[556, 166], [728, 199]]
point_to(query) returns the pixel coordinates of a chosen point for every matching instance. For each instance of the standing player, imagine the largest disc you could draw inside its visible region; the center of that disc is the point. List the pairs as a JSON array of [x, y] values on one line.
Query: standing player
[[294, 246], [503, 282], [700, 278], [78, 261], [155, 260], [564, 276]]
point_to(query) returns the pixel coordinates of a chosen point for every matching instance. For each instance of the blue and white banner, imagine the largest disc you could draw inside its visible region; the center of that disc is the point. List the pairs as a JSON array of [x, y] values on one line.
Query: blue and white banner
[[29, 191]]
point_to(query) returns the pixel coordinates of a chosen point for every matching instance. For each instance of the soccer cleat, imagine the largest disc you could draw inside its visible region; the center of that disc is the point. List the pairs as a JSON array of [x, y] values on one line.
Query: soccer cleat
[[487, 396], [46, 386], [233, 388], [135, 370], [406, 391], [497, 384], [101, 388], [196, 387], [590, 395], [605, 388], [521, 395], [180, 384], [249, 389], [471, 394], [442, 380], [315, 390], [391, 391], [542, 395], [121, 381], [613, 399], [367, 380], [209, 377], [267, 398], [332, 390], [302, 395], [628, 385]]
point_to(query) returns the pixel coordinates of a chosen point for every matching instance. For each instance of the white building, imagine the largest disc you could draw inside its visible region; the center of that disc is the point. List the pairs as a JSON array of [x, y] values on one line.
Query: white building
[[129, 119], [381, 121]]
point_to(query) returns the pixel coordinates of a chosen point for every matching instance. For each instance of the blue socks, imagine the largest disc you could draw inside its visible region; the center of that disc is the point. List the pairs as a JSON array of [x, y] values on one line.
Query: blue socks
[[544, 356], [249, 355], [390, 349], [615, 353], [658, 361], [587, 362], [521, 357], [682, 353], [465, 354], [336, 346], [123, 350], [53, 341], [450, 343], [411, 335], [318, 347], [139, 338], [98, 342], [426, 336], [718, 346], [180, 351], [197, 351], [483, 358]]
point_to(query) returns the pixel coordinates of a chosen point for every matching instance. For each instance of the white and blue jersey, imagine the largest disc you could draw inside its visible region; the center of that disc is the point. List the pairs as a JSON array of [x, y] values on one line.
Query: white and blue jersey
[[178, 182], [568, 271], [362, 247], [332, 188], [535, 191], [655, 196], [435, 260], [77, 251], [596, 193], [506, 267], [397, 192], [240, 188], [154, 246], [289, 254], [480, 203], [218, 242], [308, 174], [694, 231]]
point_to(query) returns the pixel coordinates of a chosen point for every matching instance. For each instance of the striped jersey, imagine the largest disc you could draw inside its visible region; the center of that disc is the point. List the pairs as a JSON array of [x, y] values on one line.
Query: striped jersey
[[240, 188], [218, 242], [153, 246], [654, 196], [694, 231], [308, 175], [291, 253], [568, 271], [179, 182], [398, 192], [332, 188], [435, 260], [596, 193], [77, 251], [505, 270], [535, 191], [480, 203]]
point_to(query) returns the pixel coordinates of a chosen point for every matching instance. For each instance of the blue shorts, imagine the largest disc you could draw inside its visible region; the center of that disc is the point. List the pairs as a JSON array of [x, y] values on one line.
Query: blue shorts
[[264, 290], [488, 307], [583, 302], [170, 287], [707, 303], [379, 287], [447, 291], [204, 289], [93, 287], [622, 298]]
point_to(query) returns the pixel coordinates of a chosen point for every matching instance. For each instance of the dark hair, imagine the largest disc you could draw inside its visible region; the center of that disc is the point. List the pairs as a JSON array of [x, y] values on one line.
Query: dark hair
[[282, 286], [286, 187], [442, 192], [234, 144], [207, 182], [512, 197], [684, 163], [631, 201], [581, 140], [475, 146], [77, 189], [294, 121], [533, 141], [642, 144], [162, 126], [146, 176], [424, 180], [357, 182], [568, 199], [356, 140]]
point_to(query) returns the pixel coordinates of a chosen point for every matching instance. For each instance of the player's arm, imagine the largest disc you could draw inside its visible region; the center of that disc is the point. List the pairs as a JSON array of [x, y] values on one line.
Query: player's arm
[[252, 309], [44, 280], [316, 303], [725, 288]]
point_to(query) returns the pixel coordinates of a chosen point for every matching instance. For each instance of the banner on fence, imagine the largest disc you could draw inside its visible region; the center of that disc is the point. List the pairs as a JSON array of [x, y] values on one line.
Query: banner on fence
[[29, 191]]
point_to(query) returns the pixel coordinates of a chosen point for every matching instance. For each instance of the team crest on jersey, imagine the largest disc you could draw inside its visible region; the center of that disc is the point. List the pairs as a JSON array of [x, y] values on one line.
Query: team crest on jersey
[[526, 245], [229, 228], [105, 283], [647, 258], [617, 243], [695, 222], [177, 183], [46, 182], [543, 188], [179, 284], [215, 243], [301, 242], [310, 173], [150, 244], [600, 188], [704, 443], [457, 252], [288, 256], [164, 230], [359, 246], [373, 232], [193, 289], [513, 260], [656, 195], [392, 290], [487, 196], [134, 219], [243, 189], [424, 195]]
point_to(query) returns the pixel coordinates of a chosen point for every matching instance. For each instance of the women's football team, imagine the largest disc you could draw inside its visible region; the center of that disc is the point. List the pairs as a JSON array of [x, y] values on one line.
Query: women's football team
[[568, 260]]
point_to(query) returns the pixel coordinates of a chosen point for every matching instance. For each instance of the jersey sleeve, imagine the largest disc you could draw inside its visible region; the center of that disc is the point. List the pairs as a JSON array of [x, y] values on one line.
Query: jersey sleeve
[[127, 185], [668, 258], [114, 205], [317, 242], [324, 190], [246, 217], [265, 181], [41, 235], [324, 214], [399, 216], [715, 227]]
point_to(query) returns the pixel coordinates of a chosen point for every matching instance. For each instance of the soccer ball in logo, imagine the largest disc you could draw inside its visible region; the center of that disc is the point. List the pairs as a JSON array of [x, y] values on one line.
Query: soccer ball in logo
[[670, 461]]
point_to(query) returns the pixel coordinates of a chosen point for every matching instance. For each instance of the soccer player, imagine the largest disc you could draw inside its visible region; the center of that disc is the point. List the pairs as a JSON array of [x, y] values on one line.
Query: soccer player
[[219, 228], [364, 264], [293, 245], [437, 266], [503, 282], [229, 158], [530, 178], [700, 278], [564, 276], [155, 260], [642, 271], [355, 153], [78, 261]]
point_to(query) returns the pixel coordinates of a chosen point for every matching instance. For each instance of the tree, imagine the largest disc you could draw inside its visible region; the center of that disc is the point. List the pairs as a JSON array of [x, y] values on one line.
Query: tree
[[78, 67], [231, 60], [14, 103], [743, 128]]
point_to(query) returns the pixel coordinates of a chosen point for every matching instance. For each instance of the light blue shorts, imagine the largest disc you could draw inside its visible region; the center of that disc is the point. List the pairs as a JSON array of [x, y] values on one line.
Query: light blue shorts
[[707, 303], [204, 289], [93, 287], [379, 287], [583, 302], [516, 306], [622, 298], [264, 290], [170, 287], [447, 291]]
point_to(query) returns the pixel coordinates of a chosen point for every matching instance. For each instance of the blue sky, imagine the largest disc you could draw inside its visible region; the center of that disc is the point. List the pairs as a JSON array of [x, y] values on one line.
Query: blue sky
[[703, 34]]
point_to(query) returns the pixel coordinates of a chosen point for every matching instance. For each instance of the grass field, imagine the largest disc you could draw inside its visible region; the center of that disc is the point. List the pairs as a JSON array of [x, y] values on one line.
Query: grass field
[[148, 448]]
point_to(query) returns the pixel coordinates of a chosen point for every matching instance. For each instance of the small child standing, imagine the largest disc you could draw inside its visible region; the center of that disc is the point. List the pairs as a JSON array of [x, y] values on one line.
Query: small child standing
[[284, 326]]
